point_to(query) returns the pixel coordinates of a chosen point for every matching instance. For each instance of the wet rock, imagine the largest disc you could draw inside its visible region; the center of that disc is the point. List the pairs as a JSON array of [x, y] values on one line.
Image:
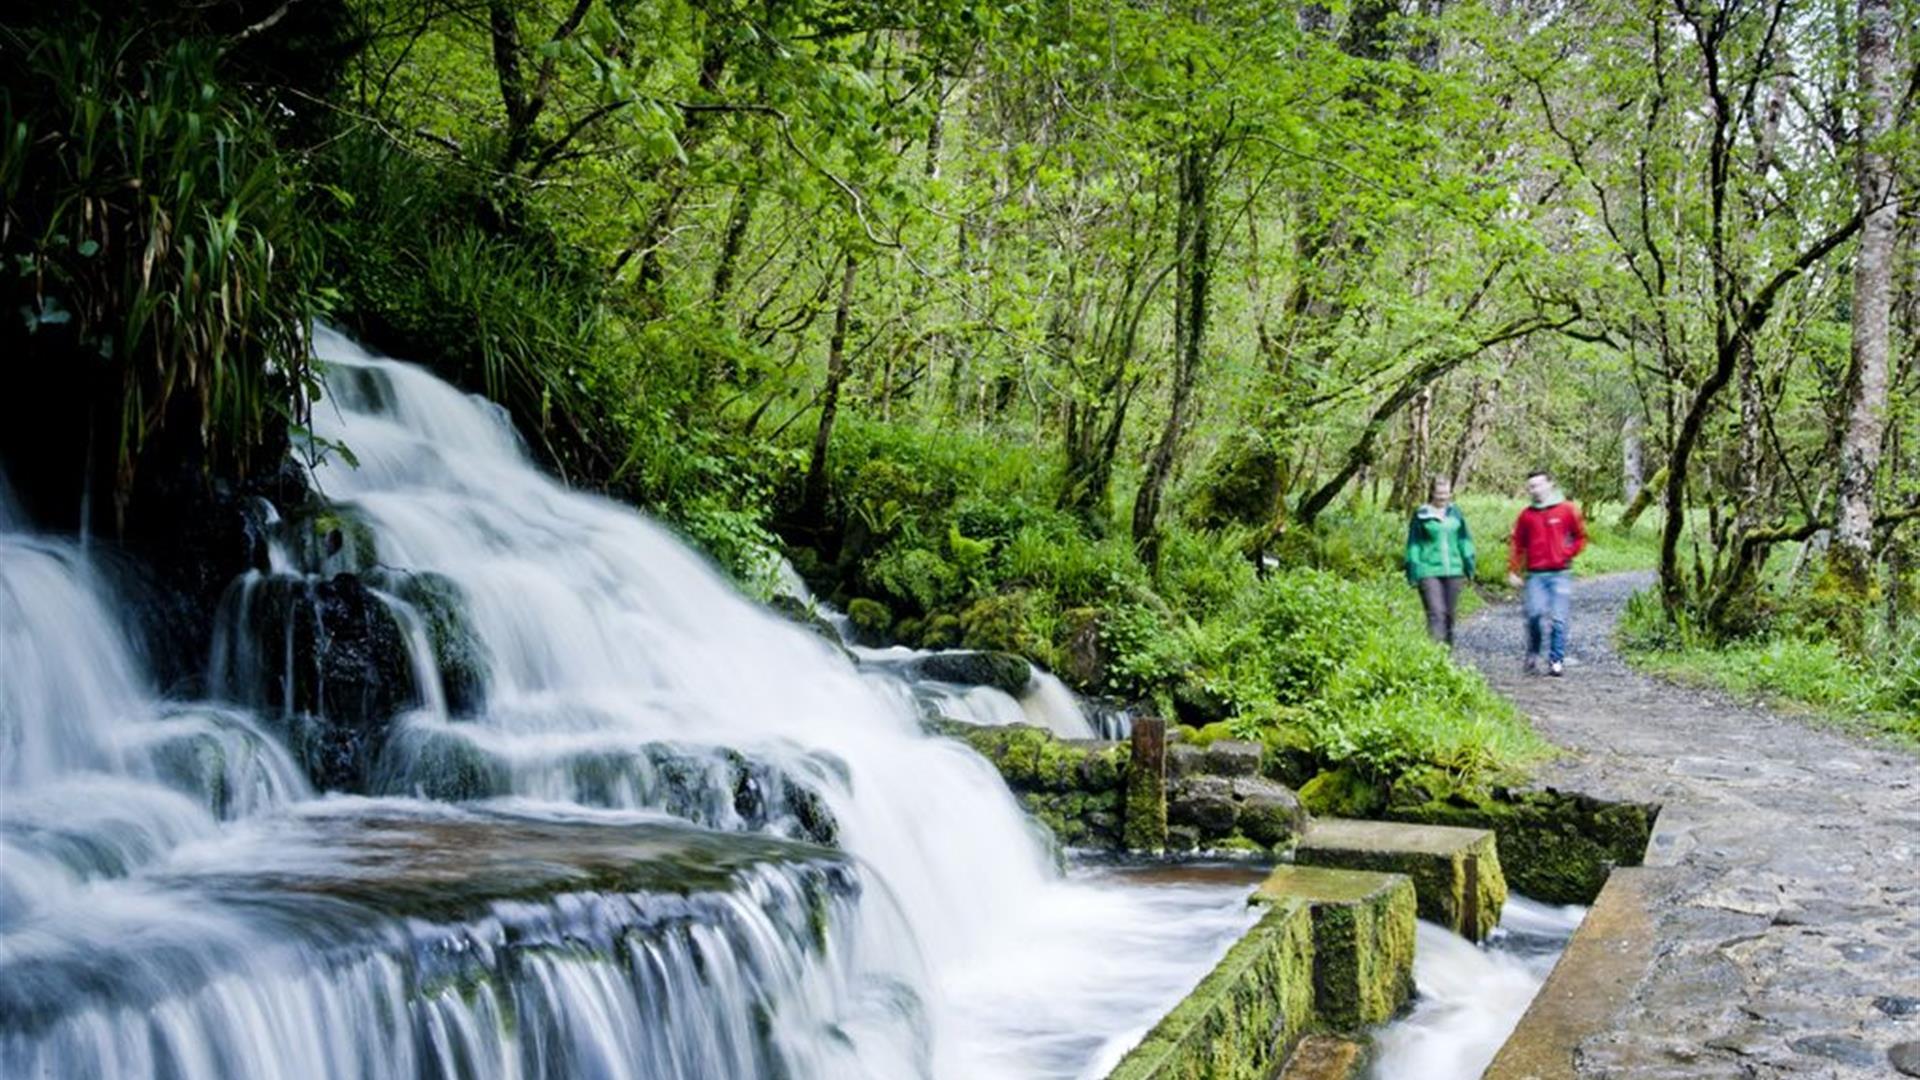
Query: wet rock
[[1002, 671], [1839, 1048], [1905, 1058], [458, 654], [1233, 757], [1898, 1007], [796, 610], [1204, 802], [331, 659], [1184, 759], [1267, 813]]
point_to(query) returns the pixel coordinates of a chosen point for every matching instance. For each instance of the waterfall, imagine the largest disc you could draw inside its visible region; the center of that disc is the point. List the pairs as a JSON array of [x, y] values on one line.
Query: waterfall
[[623, 821]]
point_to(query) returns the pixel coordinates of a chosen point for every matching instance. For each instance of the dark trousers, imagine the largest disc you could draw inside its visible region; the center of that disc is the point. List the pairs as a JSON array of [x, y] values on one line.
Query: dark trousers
[[1440, 596]]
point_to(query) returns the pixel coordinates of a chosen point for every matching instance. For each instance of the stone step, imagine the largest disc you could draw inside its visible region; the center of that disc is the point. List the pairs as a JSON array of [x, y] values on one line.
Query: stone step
[[1363, 935], [1455, 871]]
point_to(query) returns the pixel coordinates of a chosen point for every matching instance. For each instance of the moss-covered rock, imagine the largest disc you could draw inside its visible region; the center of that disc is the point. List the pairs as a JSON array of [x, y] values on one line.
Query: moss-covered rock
[[1266, 813], [1002, 622], [871, 620], [1341, 793], [459, 657], [1075, 788], [1082, 654], [798, 611], [1002, 671], [1456, 872]]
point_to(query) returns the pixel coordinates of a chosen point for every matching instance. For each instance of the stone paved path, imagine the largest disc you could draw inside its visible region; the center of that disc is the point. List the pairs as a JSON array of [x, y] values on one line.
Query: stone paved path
[[1788, 929]]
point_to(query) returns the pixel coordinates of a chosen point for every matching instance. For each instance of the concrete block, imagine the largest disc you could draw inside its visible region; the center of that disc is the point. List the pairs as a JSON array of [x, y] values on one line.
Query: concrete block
[[1456, 872], [1363, 940]]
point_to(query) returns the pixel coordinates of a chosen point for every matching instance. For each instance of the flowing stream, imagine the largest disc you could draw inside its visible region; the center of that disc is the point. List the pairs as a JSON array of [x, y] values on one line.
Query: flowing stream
[[1470, 996], [627, 823]]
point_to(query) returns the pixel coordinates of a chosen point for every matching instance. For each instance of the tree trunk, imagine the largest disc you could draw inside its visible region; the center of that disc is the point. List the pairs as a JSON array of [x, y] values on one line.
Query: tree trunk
[[739, 218], [1475, 430], [813, 500], [1190, 324], [1850, 558], [1409, 482], [1633, 460]]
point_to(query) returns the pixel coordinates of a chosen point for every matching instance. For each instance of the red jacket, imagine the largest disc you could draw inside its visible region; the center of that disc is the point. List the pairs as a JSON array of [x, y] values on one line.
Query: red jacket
[[1547, 537]]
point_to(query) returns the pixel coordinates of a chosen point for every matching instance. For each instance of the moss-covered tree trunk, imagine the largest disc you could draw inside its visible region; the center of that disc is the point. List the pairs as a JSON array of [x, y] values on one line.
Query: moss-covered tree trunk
[[1850, 557]]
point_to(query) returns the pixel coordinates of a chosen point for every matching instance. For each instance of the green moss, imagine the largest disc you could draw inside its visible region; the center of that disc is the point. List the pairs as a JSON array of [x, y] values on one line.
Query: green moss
[[870, 617], [1555, 847], [941, 631], [1003, 623], [1206, 736], [1363, 934], [1244, 1017], [1341, 792], [1145, 827]]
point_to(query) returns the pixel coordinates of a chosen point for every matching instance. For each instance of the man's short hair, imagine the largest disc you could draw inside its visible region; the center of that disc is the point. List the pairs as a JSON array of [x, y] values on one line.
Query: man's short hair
[[1540, 472]]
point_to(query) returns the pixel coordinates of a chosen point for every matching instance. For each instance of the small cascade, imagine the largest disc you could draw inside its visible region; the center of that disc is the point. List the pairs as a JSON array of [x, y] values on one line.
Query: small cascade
[[379, 939], [1471, 997]]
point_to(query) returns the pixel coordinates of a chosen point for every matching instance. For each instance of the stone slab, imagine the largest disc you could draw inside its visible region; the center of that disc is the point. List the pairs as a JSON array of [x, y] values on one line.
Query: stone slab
[[1246, 1015], [1455, 871], [1606, 957], [1363, 940]]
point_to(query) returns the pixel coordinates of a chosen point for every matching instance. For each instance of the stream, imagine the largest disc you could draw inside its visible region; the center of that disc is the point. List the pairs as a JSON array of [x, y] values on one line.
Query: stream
[[617, 820]]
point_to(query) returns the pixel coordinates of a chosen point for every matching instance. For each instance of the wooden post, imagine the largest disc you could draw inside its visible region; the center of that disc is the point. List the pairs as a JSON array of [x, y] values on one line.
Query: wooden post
[[1145, 828]]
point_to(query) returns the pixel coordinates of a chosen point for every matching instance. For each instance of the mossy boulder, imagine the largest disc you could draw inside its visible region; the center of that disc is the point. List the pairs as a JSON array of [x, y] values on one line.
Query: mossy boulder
[[871, 620], [1342, 793], [801, 613], [1002, 622], [1002, 671]]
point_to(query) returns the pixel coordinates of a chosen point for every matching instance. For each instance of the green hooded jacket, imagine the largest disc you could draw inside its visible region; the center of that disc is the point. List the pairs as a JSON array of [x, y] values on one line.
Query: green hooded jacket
[[1438, 544]]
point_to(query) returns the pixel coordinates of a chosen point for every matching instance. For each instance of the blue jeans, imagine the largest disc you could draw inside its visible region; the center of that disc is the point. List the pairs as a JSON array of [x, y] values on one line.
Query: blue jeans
[[1549, 600]]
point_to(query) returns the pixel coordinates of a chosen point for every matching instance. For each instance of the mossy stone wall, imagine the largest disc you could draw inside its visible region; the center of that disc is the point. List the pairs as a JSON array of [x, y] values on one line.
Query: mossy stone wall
[[1245, 1016]]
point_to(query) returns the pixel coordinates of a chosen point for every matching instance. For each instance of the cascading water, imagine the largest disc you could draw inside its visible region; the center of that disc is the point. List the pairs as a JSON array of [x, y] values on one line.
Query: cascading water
[[1470, 996], [455, 626]]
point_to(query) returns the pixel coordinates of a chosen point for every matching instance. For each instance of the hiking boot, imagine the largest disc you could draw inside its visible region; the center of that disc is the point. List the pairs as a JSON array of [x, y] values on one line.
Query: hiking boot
[[1556, 669]]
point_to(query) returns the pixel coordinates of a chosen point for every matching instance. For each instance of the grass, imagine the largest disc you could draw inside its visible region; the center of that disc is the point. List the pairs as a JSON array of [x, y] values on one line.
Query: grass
[[1790, 666]]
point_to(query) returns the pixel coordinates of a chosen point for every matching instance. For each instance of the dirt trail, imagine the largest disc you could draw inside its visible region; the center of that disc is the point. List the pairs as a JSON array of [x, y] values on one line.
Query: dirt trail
[[1789, 929]]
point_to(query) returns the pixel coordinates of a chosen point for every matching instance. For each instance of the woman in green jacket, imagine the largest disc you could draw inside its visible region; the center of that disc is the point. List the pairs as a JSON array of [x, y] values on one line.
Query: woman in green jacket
[[1439, 557]]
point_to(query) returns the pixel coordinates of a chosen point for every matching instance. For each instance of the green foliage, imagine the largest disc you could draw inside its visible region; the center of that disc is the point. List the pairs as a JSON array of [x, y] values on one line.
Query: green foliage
[[1794, 662], [153, 237]]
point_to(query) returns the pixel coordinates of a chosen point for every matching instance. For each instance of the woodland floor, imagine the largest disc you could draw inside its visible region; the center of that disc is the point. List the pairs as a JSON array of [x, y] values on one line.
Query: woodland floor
[[1787, 929]]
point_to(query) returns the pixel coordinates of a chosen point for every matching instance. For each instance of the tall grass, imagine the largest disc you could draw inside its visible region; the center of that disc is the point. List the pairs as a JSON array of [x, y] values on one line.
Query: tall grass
[[153, 234]]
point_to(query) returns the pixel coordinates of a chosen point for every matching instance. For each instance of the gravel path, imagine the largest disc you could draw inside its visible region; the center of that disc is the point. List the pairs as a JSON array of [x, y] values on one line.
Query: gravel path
[[1789, 930]]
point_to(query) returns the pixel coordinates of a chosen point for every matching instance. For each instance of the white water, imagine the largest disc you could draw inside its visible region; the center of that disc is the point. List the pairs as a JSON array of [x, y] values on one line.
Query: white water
[[174, 902], [1470, 997], [603, 630]]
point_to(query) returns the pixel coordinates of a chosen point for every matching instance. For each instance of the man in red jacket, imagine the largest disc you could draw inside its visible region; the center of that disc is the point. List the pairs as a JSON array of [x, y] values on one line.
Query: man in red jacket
[[1546, 537]]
